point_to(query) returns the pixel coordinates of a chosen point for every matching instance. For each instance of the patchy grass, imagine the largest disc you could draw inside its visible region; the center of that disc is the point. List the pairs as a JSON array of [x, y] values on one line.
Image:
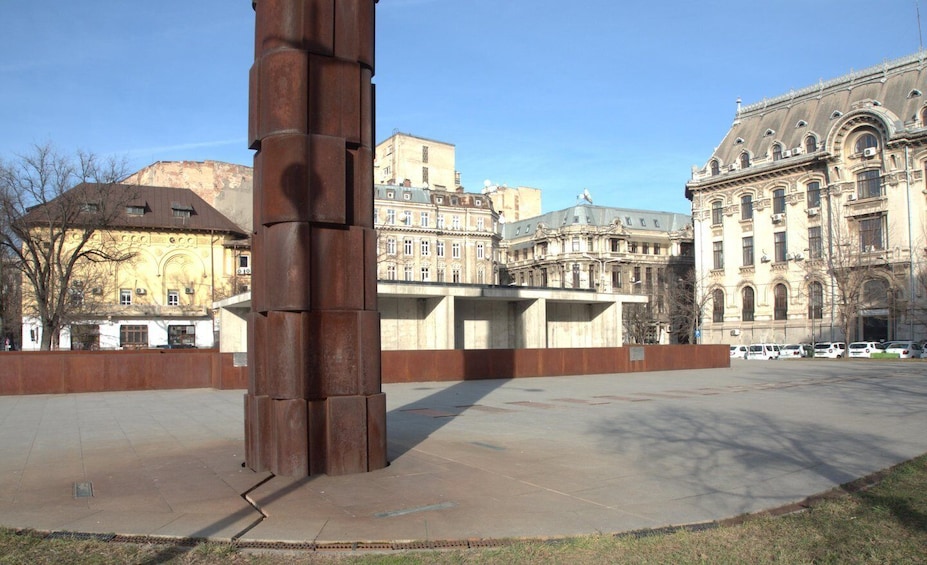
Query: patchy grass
[[886, 523]]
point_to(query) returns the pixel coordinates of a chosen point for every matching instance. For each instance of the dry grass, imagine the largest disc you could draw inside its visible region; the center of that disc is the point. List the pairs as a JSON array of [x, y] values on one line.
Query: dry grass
[[883, 524]]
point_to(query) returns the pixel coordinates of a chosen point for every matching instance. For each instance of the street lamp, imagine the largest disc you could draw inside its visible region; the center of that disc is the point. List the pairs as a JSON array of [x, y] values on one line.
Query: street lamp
[[602, 263]]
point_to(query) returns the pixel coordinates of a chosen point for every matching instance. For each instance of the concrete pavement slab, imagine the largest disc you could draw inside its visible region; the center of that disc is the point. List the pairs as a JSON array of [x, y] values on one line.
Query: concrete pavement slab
[[488, 459]]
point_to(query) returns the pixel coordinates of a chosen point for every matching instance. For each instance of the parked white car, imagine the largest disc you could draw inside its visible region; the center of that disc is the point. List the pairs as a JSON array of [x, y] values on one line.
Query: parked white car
[[738, 352], [905, 349], [794, 351], [830, 349], [863, 349], [763, 351]]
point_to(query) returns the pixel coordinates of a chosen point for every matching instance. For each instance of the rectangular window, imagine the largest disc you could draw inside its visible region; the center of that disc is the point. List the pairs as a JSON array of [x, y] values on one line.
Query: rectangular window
[[132, 210], [632, 247], [244, 261], [455, 275], [480, 251], [440, 221], [656, 249], [869, 184], [480, 224], [390, 246], [616, 279], [426, 274], [424, 174], [407, 218], [455, 222], [781, 247], [441, 274], [173, 298], [779, 201], [439, 248], [645, 248], [871, 233], [408, 272], [575, 243], [814, 242], [391, 217], [748, 251], [133, 336], [814, 195], [125, 296], [426, 248], [391, 272], [407, 247], [717, 254], [455, 251], [746, 207], [716, 213], [424, 153], [425, 219]]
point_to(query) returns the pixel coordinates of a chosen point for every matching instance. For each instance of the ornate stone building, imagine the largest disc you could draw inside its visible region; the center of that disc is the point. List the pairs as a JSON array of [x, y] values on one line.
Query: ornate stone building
[[810, 214], [435, 236], [606, 250]]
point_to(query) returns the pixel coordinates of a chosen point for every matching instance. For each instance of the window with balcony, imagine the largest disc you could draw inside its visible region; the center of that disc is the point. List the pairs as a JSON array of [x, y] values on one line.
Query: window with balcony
[[781, 308]]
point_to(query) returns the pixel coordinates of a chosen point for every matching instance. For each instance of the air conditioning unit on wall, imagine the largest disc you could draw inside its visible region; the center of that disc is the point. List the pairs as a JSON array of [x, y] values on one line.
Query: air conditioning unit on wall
[[777, 218], [141, 291], [869, 152], [813, 211]]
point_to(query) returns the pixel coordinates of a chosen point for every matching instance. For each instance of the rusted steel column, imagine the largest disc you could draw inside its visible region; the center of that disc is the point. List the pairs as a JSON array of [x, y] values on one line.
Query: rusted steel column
[[314, 402]]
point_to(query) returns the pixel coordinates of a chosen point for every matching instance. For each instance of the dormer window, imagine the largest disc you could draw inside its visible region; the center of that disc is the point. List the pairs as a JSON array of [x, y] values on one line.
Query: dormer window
[[776, 152], [836, 114], [391, 194], [715, 167], [770, 132], [90, 207], [801, 124], [744, 160], [811, 144], [914, 92], [135, 210], [739, 141], [179, 210], [627, 220]]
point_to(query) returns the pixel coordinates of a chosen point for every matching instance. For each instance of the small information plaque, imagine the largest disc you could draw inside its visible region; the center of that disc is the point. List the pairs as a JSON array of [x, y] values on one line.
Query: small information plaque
[[637, 354]]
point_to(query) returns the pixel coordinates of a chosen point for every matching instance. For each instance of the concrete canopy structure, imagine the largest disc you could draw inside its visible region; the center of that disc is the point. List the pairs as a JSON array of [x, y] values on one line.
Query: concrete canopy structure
[[810, 215]]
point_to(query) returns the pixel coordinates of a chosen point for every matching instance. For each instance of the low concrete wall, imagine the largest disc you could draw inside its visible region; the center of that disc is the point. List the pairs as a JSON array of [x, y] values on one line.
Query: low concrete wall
[[58, 372]]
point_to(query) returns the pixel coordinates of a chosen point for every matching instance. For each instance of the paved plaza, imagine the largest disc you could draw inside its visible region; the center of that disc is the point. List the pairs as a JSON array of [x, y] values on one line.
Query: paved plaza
[[494, 459]]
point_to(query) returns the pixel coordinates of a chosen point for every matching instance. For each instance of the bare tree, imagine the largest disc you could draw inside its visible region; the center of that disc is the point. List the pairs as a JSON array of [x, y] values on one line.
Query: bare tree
[[684, 308], [55, 211]]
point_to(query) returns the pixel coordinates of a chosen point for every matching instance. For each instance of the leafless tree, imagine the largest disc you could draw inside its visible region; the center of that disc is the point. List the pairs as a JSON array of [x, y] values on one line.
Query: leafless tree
[[55, 211]]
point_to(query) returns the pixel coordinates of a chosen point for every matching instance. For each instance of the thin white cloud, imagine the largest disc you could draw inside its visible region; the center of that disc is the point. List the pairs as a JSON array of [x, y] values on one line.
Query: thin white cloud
[[183, 146]]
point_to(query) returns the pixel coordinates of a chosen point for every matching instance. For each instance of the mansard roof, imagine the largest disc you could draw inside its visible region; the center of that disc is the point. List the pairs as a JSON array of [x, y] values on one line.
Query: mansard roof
[[152, 207], [600, 216], [892, 92]]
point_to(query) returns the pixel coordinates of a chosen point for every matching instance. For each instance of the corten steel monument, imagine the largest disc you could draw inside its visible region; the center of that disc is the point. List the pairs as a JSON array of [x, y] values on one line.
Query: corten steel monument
[[314, 402]]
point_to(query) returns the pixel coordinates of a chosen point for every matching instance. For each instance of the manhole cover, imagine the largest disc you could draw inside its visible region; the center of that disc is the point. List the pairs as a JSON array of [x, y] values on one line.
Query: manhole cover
[[83, 490]]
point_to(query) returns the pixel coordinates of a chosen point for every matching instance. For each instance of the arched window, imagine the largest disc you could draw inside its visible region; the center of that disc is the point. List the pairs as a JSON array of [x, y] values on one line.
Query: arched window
[[781, 310], [747, 300], [866, 141], [715, 167], [744, 160], [717, 305], [924, 115], [811, 144], [776, 152], [815, 301]]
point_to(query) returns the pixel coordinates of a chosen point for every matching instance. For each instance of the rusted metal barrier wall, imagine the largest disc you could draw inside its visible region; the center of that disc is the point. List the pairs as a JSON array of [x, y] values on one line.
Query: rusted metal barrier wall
[[58, 372]]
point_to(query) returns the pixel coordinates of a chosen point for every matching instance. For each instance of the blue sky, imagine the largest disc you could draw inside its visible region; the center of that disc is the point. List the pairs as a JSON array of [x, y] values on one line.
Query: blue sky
[[620, 98]]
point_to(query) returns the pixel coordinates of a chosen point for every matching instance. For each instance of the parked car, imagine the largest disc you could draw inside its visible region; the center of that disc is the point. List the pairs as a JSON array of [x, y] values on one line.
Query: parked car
[[763, 351], [738, 352], [795, 351], [905, 349], [863, 349], [830, 349]]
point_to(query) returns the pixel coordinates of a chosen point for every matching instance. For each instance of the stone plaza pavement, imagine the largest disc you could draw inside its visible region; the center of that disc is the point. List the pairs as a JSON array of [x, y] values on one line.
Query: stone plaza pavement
[[541, 457]]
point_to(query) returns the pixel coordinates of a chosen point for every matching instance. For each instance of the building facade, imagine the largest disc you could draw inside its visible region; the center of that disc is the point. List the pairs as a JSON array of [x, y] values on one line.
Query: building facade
[[181, 255], [607, 250], [514, 204], [412, 161], [810, 215], [435, 236]]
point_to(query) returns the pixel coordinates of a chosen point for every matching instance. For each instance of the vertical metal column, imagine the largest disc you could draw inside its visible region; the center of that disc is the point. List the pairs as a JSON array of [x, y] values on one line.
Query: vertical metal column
[[314, 402]]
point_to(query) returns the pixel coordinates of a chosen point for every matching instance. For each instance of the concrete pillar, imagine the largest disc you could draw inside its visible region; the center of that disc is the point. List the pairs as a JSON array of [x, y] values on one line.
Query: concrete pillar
[[531, 324], [314, 402]]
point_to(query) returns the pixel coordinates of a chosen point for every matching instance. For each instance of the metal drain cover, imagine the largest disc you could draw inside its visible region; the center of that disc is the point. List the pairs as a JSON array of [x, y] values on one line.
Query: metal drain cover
[[83, 489]]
